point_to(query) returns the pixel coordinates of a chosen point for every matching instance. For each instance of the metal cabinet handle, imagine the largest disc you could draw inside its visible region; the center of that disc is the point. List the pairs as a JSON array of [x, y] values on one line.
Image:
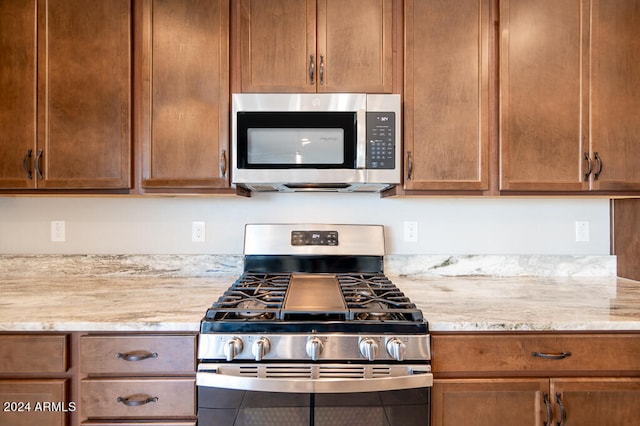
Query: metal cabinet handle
[[409, 165], [563, 411], [136, 402], [559, 355], [321, 70], [37, 166], [136, 356], [223, 163], [596, 175], [547, 404], [312, 70], [589, 164], [25, 164]]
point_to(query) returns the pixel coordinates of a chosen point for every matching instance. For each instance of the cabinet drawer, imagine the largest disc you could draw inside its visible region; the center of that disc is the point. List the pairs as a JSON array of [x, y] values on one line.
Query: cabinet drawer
[[138, 398], [138, 354], [514, 353], [37, 353]]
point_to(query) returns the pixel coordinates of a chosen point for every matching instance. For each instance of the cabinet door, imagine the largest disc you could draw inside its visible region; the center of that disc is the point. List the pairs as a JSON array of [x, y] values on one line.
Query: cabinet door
[[17, 93], [596, 401], [615, 93], [186, 94], [446, 95], [84, 58], [489, 402], [543, 95], [34, 402], [277, 43], [355, 51]]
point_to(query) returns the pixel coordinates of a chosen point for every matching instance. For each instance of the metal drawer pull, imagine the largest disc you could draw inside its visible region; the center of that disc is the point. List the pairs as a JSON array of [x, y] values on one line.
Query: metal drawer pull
[[25, 164], [321, 70], [547, 404], [596, 175], [37, 166], [563, 411], [223, 163], [590, 164], [136, 402], [136, 356], [560, 355], [312, 70]]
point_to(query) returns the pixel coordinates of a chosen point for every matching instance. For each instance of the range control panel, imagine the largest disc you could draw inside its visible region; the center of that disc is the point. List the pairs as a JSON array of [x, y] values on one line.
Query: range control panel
[[314, 238], [381, 140]]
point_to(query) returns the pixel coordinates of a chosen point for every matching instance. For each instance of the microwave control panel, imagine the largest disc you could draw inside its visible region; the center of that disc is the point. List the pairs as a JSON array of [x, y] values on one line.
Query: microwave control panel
[[381, 140]]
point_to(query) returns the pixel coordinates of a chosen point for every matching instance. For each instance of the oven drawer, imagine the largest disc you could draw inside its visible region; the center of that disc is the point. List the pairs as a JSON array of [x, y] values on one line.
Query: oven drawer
[[138, 354], [534, 353], [138, 398]]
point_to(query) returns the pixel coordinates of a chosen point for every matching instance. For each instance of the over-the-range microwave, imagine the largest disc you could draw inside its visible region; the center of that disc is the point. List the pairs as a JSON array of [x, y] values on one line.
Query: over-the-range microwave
[[342, 142]]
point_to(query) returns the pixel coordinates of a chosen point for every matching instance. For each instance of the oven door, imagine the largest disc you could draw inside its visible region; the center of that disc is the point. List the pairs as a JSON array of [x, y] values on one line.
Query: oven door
[[313, 394]]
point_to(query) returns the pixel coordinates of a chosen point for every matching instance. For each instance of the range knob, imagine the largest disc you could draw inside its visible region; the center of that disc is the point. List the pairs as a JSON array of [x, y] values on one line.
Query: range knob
[[314, 348], [396, 349], [368, 348], [232, 348], [260, 348]]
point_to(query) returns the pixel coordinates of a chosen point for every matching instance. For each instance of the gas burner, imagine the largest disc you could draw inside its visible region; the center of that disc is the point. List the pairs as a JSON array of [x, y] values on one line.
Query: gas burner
[[252, 309]]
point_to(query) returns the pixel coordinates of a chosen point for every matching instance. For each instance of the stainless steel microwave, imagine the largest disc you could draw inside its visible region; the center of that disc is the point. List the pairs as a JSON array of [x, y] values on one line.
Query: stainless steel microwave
[[343, 142]]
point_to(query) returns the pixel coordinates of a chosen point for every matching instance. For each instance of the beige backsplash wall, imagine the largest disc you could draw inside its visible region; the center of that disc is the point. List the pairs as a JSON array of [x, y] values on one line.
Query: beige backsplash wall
[[150, 225]]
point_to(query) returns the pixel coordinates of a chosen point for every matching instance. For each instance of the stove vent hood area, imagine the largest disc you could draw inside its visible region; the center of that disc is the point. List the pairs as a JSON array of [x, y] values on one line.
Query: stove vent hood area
[[313, 187]]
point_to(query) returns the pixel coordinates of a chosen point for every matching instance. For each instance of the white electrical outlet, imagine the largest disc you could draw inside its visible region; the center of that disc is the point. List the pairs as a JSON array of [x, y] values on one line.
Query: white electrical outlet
[[410, 232], [57, 231], [197, 232], [582, 231]]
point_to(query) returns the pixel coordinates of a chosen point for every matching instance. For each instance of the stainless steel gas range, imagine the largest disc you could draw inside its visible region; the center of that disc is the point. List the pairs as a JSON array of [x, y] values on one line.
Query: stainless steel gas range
[[314, 333]]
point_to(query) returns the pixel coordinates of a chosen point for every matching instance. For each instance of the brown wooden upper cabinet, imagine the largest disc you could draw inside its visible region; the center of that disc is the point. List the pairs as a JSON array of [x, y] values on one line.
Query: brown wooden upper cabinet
[[446, 102], [316, 46], [65, 94], [570, 95], [184, 69]]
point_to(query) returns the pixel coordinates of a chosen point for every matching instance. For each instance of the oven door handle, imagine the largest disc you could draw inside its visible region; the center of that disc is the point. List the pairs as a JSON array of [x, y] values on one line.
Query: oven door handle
[[214, 379]]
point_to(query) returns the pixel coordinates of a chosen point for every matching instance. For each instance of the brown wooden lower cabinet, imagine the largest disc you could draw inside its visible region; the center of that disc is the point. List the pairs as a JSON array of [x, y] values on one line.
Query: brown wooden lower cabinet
[[137, 423], [536, 379], [613, 401], [137, 378], [28, 402]]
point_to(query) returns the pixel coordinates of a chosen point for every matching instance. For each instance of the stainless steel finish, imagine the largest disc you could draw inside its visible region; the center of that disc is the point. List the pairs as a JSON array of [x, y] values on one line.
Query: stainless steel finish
[[273, 239], [314, 348], [232, 348], [361, 143], [335, 346], [314, 378], [260, 348], [343, 180], [396, 348], [368, 348]]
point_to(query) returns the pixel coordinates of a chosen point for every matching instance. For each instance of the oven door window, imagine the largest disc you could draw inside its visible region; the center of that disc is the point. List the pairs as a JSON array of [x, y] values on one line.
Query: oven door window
[[225, 407], [290, 140]]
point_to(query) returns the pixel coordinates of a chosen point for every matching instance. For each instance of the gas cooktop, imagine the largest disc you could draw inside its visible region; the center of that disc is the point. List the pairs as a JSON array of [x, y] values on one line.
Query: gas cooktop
[[304, 302]]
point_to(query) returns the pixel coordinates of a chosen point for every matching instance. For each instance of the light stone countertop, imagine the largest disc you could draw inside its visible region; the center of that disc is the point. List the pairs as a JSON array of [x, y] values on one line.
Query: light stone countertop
[[84, 303]]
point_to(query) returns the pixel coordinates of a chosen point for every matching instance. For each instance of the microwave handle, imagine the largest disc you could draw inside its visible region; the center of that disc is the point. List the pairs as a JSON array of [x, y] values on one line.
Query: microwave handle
[[361, 142]]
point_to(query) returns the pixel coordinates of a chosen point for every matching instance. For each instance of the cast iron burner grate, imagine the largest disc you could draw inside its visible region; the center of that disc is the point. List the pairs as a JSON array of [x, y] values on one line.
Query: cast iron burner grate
[[261, 297]]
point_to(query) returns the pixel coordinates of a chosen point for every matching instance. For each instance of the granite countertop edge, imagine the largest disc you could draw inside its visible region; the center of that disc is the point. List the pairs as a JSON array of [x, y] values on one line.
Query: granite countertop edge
[[449, 304]]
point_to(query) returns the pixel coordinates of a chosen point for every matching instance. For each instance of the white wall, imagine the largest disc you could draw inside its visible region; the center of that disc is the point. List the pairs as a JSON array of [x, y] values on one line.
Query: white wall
[[121, 225]]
